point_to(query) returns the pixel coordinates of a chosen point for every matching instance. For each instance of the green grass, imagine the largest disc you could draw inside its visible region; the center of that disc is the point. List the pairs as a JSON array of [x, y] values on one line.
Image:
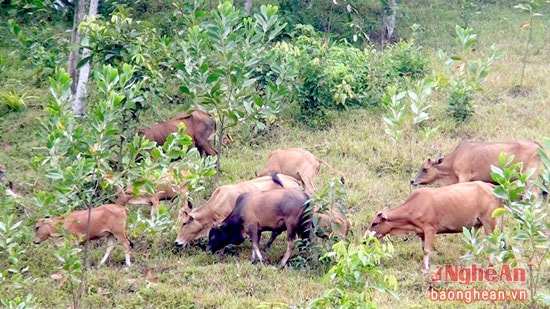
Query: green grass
[[377, 175]]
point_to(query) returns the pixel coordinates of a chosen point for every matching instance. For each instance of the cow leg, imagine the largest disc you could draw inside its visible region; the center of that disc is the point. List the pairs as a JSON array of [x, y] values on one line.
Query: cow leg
[[291, 234], [206, 147], [126, 243], [271, 240], [427, 244], [254, 233], [155, 205], [111, 243]]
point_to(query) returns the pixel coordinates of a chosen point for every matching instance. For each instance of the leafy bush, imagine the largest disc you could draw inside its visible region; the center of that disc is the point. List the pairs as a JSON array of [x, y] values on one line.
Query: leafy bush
[[14, 276], [336, 76], [228, 66], [122, 40], [357, 275], [527, 240], [466, 73], [349, 20], [326, 200], [41, 48]]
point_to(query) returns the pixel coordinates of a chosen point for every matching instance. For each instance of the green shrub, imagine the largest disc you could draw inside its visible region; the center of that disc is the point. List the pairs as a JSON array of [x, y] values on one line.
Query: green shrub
[[338, 76], [526, 232], [467, 72], [357, 275]]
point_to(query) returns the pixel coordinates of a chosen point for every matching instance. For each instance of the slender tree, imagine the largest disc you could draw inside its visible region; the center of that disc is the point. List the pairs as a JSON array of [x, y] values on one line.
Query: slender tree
[[388, 20], [84, 73], [80, 9], [248, 6]]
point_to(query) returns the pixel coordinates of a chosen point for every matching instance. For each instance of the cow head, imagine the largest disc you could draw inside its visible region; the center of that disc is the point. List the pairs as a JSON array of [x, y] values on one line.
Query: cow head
[[46, 228], [191, 228], [428, 172], [379, 224], [224, 235]]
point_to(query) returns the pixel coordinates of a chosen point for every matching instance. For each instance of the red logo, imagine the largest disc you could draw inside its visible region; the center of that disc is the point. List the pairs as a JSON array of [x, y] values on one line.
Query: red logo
[[474, 273]]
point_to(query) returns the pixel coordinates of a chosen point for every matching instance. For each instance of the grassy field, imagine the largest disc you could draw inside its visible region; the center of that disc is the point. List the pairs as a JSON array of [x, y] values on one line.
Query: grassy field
[[377, 175]]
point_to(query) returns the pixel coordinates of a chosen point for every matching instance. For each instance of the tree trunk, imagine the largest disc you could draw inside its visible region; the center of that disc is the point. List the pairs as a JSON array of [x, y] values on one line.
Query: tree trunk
[[248, 6], [388, 21], [78, 104], [80, 8]]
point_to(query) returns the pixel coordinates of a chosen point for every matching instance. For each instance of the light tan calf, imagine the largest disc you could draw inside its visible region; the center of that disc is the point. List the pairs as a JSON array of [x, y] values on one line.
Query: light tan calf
[[106, 221]]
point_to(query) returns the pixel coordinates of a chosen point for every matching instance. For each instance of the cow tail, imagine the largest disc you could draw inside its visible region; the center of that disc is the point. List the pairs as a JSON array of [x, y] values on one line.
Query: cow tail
[[342, 178], [276, 179]]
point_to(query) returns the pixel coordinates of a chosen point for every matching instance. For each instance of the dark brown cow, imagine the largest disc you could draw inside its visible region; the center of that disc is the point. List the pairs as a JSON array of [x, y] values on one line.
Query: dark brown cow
[[166, 189], [106, 221], [197, 222], [431, 211], [472, 161], [273, 210], [199, 125], [298, 163]]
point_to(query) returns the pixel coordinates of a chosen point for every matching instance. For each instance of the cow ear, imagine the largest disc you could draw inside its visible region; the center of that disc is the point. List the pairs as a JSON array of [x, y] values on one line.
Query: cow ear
[[192, 216], [384, 216], [439, 159], [189, 204]]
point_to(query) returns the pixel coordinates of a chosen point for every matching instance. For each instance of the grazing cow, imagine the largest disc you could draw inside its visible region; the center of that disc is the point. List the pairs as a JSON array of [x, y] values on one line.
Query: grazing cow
[[275, 210], [472, 161], [106, 221], [298, 163], [166, 189], [197, 222], [200, 125], [330, 222], [431, 211]]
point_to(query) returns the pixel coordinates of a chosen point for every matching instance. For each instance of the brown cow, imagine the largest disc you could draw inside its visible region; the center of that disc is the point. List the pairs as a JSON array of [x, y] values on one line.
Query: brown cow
[[166, 189], [298, 163], [331, 222], [472, 161], [200, 125], [431, 211], [106, 221], [275, 210], [197, 222]]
